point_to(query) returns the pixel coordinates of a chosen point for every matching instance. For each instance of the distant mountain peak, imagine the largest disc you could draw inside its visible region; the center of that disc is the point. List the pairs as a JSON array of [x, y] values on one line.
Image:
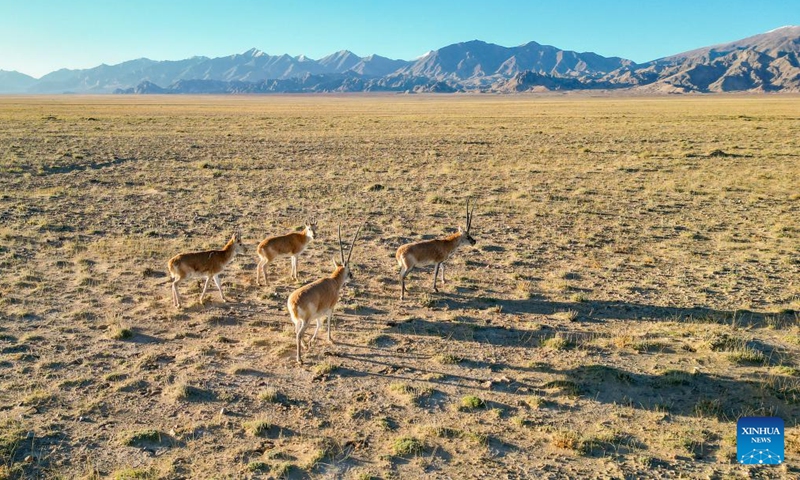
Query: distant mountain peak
[[15, 82], [340, 61], [337, 56], [254, 52], [376, 57], [764, 62], [780, 40], [785, 27]]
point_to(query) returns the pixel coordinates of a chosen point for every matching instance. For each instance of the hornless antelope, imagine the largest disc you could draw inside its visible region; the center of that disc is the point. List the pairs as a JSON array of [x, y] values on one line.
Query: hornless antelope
[[317, 299], [207, 264], [427, 252], [289, 245]]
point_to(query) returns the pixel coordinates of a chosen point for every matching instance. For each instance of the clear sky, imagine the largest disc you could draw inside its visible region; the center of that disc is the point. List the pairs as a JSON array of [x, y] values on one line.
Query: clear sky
[[39, 36]]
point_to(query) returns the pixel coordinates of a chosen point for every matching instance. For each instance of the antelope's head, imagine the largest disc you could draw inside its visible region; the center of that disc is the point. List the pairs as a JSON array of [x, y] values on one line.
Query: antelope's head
[[236, 241], [311, 229]]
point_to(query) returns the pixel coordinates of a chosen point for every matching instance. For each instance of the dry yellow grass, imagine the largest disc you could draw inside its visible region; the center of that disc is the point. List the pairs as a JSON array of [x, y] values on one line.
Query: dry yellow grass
[[654, 239]]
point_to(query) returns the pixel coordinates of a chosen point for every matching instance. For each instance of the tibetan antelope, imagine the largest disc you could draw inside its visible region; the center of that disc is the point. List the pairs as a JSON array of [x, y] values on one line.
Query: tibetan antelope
[[432, 252], [289, 245], [317, 299], [207, 264]]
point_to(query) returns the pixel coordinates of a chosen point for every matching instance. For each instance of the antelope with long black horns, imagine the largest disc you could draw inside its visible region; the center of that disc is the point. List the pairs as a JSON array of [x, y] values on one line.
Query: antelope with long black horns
[[316, 300], [432, 252]]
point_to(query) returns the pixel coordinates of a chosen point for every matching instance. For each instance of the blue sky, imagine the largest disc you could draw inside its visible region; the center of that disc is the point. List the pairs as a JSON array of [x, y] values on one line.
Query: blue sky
[[39, 36]]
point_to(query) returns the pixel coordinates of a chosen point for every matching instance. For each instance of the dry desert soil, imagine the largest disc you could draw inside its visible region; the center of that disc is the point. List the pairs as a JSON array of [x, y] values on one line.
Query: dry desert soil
[[634, 289]]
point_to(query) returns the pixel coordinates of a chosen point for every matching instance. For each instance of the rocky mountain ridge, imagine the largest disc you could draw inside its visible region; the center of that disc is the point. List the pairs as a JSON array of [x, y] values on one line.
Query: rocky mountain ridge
[[768, 62]]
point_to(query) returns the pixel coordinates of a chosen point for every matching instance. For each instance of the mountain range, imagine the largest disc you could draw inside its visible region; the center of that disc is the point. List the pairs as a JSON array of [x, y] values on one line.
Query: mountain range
[[769, 62]]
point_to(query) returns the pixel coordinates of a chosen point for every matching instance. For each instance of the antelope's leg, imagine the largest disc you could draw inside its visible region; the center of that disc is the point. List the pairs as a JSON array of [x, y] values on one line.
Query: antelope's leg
[[316, 330], [205, 287], [176, 298], [219, 287], [300, 329], [330, 321], [403, 274], [258, 272]]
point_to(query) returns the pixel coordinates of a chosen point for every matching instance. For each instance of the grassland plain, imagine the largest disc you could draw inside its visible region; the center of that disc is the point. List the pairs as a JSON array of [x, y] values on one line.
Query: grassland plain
[[634, 288]]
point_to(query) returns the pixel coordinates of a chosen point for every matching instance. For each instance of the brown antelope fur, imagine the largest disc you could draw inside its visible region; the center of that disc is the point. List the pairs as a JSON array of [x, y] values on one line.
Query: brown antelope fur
[[317, 299], [207, 264], [432, 252], [289, 245]]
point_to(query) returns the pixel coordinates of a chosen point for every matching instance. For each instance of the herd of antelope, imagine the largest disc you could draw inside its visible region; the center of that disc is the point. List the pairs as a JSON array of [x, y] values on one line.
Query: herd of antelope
[[314, 301]]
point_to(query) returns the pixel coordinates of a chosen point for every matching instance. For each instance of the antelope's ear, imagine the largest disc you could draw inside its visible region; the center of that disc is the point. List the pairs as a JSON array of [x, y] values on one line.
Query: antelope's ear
[[460, 230], [335, 263]]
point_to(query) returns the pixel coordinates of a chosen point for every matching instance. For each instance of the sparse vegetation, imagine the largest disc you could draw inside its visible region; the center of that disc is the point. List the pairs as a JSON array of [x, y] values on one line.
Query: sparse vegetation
[[566, 387], [471, 402], [558, 342], [142, 436], [182, 391], [567, 439], [786, 370], [282, 470], [256, 428], [426, 300], [519, 421], [443, 432], [324, 368], [447, 359], [269, 394], [11, 435], [567, 315], [38, 398], [747, 355], [385, 423], [410, 393], [120, 333], [579, 298], [407, 446], [535, 401], [628, 297], [648, 345], [258, 466], [116, 376], [676, 377], [708, 407], [134, 474]]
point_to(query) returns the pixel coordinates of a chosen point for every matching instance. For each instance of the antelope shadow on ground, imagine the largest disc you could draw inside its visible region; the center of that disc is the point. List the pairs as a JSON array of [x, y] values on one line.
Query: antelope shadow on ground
[[395, 370], [676, 392], [670, 392], [621, 310], [85, 166]]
